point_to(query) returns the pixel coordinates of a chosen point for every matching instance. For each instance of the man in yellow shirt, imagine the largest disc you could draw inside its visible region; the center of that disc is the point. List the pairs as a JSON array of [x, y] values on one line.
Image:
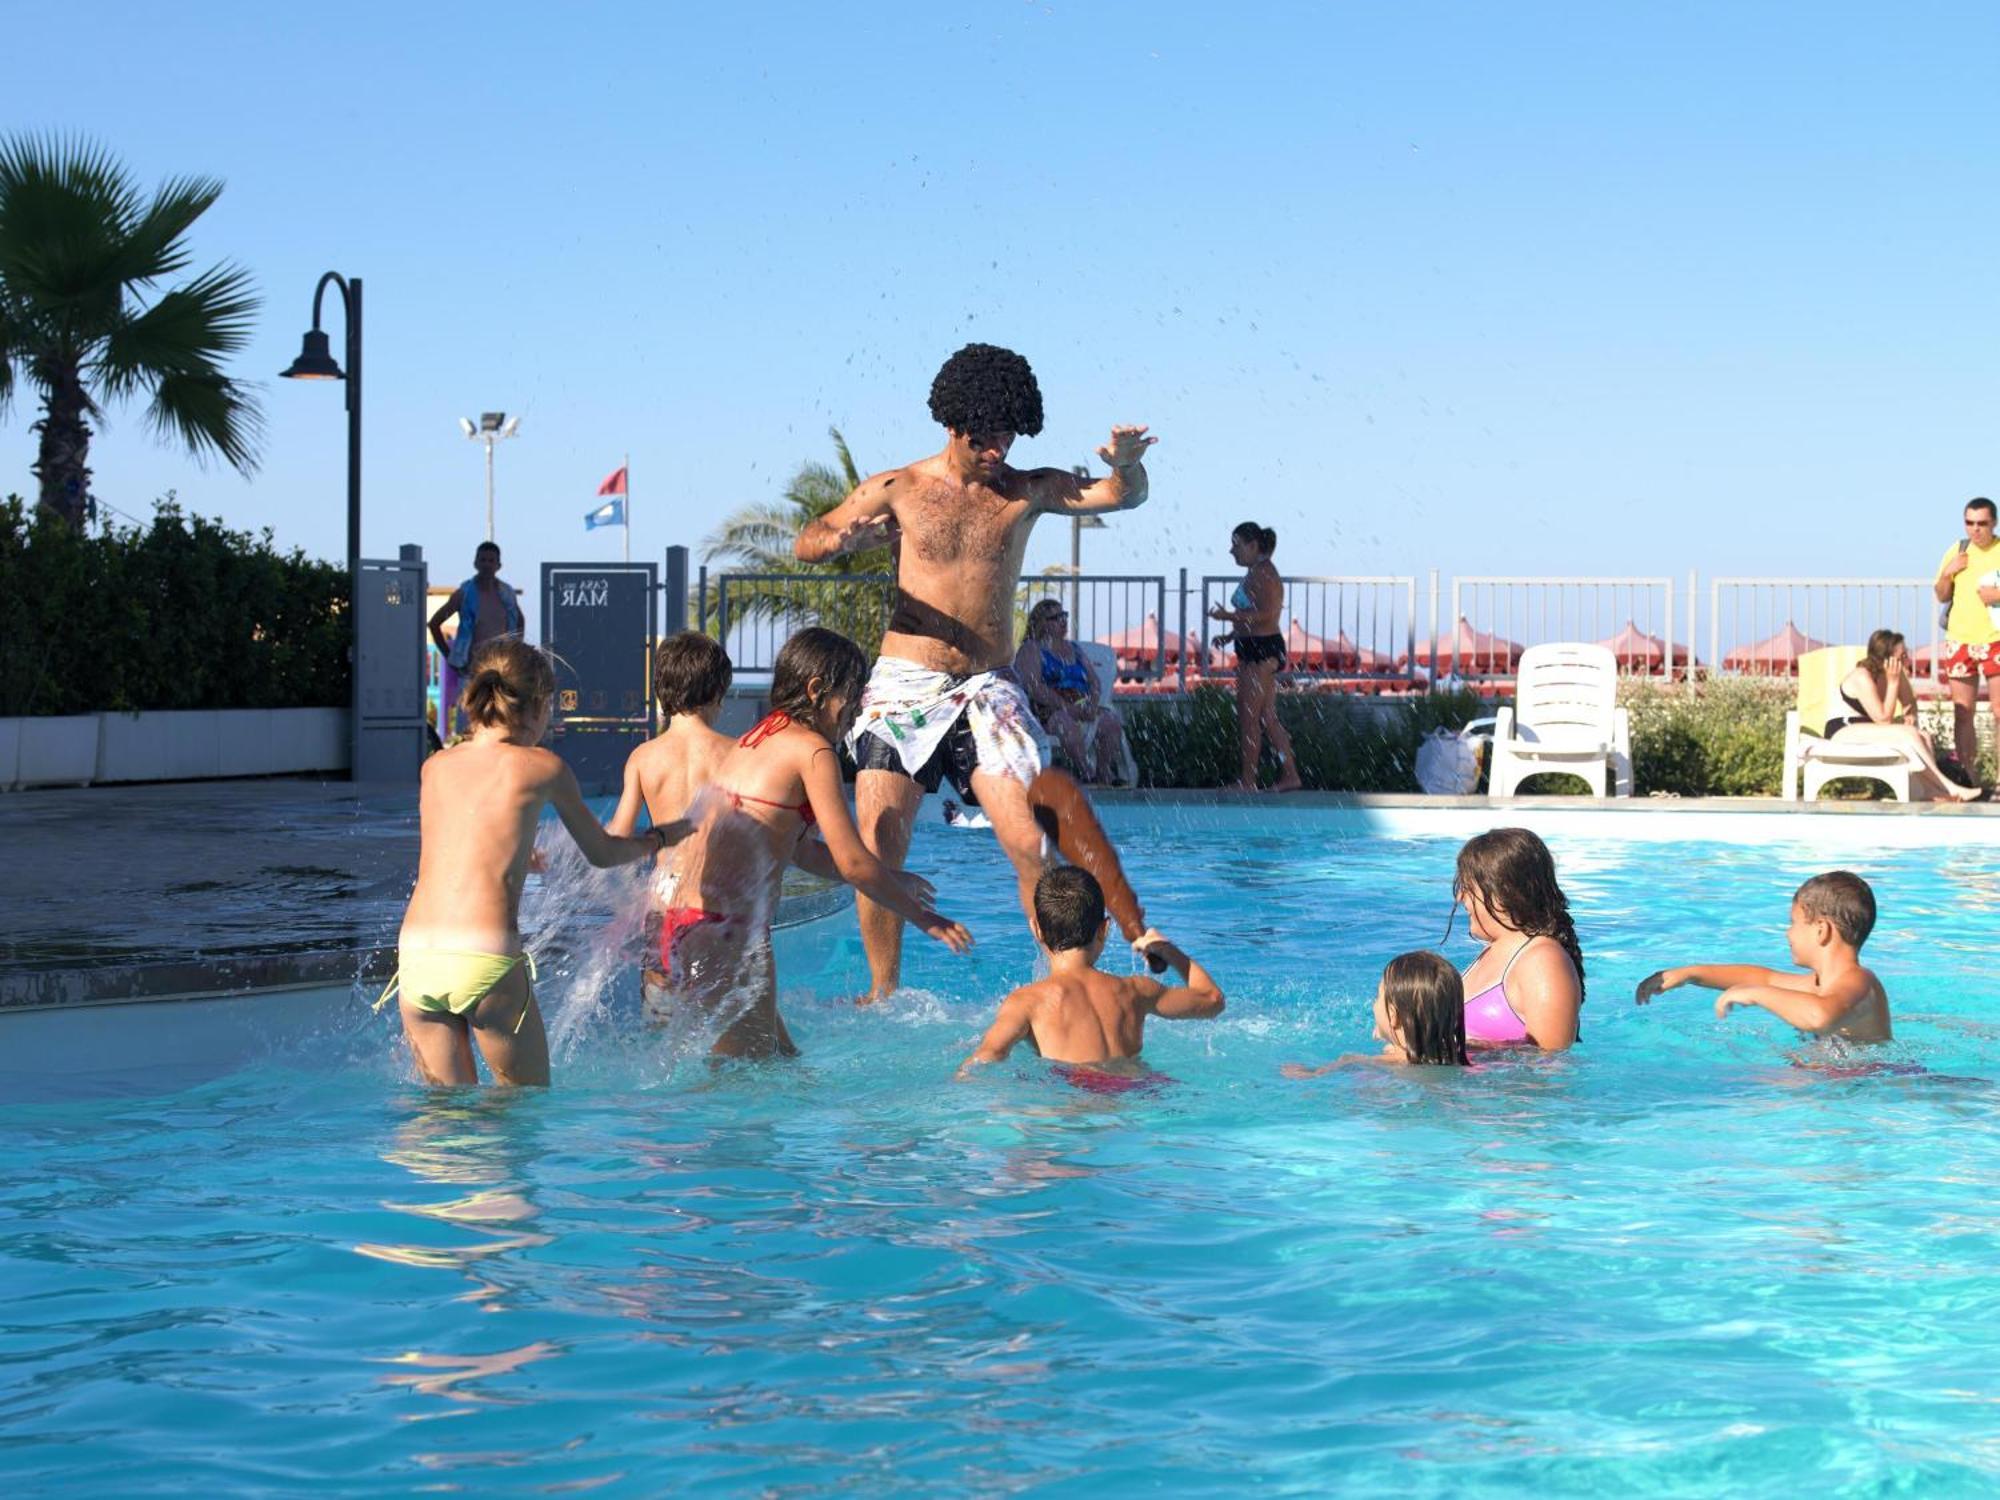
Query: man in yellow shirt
[[1966, 581]]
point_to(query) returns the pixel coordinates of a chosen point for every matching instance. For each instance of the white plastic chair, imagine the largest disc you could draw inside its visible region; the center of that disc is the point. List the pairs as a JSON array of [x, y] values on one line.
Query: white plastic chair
[[1565, 718], [1813, 759], [1104, 662]]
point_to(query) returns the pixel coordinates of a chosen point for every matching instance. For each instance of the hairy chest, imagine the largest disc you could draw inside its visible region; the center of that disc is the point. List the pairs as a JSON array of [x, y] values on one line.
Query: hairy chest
[[946, 528]]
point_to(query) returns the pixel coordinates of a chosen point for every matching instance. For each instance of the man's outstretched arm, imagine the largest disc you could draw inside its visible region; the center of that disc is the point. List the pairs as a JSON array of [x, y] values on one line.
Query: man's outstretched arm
[[1060, 492], [863, 520]]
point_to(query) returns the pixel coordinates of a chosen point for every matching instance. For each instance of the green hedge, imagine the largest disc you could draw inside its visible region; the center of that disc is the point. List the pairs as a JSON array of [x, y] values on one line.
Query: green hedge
[[1342, 744], [183, 613], [1723, 738]]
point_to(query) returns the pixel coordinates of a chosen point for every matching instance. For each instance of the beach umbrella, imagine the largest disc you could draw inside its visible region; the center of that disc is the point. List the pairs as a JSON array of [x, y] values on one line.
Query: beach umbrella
[[1141, 643], [1473, 650], [1774, 654], [1636, 651]]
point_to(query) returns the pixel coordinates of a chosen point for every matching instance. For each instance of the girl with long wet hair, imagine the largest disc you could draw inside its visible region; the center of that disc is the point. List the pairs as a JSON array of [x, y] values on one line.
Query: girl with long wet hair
[[1526, 988]]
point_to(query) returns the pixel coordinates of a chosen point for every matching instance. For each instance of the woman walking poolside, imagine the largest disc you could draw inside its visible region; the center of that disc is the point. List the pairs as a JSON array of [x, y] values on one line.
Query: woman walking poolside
[[1253, 612]]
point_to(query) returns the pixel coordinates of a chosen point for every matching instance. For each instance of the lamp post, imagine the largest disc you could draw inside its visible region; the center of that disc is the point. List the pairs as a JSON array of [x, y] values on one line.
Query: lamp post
[[493, 427], [316, 362]]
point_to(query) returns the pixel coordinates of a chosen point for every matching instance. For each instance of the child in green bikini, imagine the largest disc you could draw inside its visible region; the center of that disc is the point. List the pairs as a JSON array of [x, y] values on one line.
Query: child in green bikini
[[461, 969]]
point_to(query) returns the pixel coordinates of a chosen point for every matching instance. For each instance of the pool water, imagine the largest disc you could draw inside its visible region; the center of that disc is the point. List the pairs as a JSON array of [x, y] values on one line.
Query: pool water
[[1671, 1262]]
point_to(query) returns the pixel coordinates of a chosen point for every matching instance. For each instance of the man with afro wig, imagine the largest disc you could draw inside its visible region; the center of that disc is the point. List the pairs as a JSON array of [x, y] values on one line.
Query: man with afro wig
[[943, 700]]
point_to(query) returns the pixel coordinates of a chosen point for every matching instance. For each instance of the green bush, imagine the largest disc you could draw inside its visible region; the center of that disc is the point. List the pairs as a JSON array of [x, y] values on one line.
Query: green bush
[[180, 614], [1721, 737], [1343, 744]]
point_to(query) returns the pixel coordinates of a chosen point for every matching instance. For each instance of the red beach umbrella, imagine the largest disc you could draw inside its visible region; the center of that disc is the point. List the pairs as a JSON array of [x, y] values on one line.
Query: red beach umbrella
[[1774, 654], [1636, 651], [1474, 650]]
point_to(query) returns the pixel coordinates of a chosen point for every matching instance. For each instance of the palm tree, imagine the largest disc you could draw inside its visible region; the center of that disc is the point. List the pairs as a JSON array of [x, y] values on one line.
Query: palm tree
[[758, 538], [82, 318]]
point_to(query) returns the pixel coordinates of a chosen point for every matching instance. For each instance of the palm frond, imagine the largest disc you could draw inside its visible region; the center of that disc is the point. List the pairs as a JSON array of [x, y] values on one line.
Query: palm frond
[[211, 414], [154, 247], [848, 473], [183, 333]]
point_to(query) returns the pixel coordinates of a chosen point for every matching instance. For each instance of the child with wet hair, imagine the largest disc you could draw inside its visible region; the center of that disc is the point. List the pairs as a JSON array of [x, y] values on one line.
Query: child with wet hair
[[1080, 1015], [1832, 915], [691, 677], [1419, 1017], [777, 783], [460, 959]]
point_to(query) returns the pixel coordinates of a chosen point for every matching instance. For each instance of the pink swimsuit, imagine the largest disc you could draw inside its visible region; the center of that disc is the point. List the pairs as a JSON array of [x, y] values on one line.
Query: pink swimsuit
[[1488, 1016]]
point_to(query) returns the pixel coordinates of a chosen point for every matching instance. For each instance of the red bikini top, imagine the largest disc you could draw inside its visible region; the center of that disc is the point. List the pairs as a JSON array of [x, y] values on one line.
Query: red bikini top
[[767, 726]]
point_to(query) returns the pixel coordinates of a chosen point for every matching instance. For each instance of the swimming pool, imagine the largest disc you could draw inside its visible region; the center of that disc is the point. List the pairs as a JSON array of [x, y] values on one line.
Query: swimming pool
[[1671, 1261]]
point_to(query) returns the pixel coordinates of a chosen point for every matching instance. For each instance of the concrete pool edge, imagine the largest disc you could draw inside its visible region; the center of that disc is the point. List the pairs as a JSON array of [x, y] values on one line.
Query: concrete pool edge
[[248, 975], [1842, 825]]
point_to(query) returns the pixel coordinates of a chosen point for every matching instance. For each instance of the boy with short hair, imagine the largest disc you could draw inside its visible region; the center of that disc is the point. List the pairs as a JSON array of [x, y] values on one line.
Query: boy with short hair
[[1832, 915], [691, 676], [1079, 1015]]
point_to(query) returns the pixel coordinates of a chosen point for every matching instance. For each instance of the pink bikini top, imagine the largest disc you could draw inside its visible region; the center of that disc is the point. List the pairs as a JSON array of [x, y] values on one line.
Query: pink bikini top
[[1488, 1016]]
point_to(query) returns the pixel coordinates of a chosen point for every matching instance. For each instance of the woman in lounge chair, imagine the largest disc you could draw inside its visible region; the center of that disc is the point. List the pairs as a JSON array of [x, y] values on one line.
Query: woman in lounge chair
[[1068, 698], [1252, 614], [1881, 709]]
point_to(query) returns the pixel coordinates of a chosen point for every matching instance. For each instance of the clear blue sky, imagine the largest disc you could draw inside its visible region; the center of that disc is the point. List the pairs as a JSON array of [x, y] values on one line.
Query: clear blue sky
[[1491, 288]]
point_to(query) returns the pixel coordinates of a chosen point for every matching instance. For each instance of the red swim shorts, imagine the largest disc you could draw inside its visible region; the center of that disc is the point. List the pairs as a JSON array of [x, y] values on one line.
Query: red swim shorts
[[1963, 662]]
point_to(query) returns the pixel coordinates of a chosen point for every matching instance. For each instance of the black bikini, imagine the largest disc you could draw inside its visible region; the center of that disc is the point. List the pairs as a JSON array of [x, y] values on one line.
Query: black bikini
[[1859, 716]]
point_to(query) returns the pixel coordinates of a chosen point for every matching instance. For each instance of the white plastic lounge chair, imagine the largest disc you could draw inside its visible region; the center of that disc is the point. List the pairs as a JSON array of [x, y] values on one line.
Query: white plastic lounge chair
[[1565, 718], [1811, 757]]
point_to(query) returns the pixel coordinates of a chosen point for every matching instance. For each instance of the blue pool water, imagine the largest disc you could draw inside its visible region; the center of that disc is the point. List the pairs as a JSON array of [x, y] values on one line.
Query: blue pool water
[[1671, 1262]]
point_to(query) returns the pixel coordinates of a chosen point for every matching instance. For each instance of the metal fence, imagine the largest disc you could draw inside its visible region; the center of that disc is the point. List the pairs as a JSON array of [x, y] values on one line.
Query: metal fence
[[753, 614], [1761, 626], [1493, 620], [1356, 629], [1373, 632]]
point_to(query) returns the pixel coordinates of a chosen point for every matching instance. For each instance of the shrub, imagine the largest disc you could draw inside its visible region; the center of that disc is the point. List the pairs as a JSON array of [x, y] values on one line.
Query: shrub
[[1342, 744], [183, 613], [1721, 737]]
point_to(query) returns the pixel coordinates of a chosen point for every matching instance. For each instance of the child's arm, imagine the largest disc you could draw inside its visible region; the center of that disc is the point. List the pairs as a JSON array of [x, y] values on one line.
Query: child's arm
[[1708, 976], [1008, 1030], [1197, 998], [1793, 999], [630, 799], [812, 856], [854, 864], [600, 848]]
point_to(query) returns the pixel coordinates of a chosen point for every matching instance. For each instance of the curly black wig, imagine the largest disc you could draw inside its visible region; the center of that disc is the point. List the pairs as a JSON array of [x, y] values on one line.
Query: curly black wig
[[984, 389]]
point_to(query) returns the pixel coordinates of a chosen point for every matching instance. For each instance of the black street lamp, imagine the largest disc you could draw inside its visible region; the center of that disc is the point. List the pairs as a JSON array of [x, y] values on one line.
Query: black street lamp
[[316, 362]]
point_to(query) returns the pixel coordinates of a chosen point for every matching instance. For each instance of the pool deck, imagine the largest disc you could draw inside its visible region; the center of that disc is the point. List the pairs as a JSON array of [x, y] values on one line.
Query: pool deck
[[112, 894]]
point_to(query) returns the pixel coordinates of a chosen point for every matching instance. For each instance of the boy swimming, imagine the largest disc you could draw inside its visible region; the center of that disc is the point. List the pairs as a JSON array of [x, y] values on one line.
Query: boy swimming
[[777, 782], [1419, 1017], [459, 955], [1080, 1015], [1832, 915]]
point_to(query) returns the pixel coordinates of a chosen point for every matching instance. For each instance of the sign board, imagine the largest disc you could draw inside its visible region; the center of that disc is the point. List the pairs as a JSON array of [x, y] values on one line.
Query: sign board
[[599, 619]]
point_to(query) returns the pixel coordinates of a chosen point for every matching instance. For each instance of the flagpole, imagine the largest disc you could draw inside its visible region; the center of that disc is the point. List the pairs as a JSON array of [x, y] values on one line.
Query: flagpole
[[628, 507]]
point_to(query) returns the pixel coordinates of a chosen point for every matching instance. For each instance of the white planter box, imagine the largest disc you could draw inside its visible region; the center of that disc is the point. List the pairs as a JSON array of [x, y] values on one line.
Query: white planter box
[[57, 752], [180, 746]]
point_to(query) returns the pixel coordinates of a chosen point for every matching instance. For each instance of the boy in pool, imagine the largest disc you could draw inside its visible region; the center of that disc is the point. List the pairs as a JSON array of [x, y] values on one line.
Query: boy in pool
[[1079, 1015], [1832, 915], [691, 675]]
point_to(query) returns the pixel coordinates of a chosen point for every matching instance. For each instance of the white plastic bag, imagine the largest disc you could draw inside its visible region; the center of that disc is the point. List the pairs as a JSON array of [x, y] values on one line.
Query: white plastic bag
[[1448, 764]]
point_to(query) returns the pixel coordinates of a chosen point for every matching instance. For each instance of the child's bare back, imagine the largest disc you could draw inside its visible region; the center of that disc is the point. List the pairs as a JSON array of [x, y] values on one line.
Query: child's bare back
[[1091, 1017]]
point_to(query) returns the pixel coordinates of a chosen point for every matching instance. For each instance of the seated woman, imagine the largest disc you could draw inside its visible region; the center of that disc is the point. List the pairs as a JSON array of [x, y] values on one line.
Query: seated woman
[[1882, 710], [1068, 698]]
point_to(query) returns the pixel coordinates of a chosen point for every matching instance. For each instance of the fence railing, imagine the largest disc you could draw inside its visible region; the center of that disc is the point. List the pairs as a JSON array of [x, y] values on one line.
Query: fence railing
[[1760, 626], [1373, 630], [1356, 629], [1493, 620]]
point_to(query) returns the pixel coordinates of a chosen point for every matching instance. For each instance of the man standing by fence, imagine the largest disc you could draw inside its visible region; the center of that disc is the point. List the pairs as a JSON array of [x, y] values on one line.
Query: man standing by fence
[[1968, 582], [943, 700], [487, 609]]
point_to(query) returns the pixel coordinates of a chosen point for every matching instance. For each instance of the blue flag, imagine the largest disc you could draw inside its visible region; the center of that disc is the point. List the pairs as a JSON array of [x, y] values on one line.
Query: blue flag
[[610, 513]]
